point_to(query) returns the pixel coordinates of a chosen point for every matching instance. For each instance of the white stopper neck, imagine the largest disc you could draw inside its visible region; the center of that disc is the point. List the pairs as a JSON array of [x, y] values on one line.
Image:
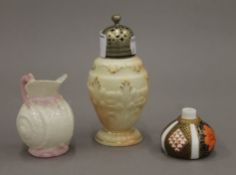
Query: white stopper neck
[[189, 113]]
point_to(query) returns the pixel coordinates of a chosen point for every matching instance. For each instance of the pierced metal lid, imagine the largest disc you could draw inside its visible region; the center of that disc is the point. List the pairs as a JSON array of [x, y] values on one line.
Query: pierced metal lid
[[117, 41]]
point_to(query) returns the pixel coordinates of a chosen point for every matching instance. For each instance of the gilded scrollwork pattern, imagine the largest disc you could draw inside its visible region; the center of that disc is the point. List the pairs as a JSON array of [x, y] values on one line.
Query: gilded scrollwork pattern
[[115, 68]]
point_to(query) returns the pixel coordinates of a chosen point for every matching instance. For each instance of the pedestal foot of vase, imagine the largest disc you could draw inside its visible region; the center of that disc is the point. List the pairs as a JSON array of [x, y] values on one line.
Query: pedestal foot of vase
[[49, 152], [122, 138]]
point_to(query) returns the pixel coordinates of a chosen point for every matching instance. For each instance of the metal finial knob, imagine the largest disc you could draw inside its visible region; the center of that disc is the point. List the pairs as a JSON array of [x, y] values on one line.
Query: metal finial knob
[[116, 19]]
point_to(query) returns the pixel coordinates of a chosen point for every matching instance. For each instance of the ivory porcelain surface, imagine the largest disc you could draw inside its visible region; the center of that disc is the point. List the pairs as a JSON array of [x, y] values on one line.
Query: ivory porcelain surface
[[118, 89], [45, 121]]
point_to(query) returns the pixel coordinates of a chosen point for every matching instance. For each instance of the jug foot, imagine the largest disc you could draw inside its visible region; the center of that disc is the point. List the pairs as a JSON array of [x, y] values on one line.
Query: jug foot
[[123, 138], [49, 152]]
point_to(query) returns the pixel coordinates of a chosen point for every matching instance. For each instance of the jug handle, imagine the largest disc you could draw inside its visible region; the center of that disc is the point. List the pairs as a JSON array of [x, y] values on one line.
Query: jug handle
[[24, 80]]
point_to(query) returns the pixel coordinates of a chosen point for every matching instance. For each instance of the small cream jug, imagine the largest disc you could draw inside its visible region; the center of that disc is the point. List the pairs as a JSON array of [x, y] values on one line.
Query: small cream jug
[[45, 121], [118, 86]]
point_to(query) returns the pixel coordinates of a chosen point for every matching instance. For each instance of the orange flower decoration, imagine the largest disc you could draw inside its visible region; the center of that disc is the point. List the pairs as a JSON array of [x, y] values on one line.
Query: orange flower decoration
[[209, 139]]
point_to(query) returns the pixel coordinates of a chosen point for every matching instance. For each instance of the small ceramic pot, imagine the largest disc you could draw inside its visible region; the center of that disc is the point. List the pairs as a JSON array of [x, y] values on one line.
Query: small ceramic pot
[[188, 137], [45, 121]]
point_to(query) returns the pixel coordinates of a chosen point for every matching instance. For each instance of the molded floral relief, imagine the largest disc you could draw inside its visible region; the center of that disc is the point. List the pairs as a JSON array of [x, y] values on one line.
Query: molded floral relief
[[118, 90], [127, 101]]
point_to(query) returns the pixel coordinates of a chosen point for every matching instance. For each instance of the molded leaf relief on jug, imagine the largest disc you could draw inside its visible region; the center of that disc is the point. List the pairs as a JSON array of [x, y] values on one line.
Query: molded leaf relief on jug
[[45, 121]]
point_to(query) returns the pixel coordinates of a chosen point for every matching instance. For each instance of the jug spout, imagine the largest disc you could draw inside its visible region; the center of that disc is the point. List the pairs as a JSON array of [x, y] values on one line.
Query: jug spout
[[62, 78], [36, 90]]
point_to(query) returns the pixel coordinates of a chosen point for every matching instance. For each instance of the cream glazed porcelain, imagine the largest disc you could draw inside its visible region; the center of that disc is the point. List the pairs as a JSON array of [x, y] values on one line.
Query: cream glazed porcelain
[[118, 89], [45, 121]]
